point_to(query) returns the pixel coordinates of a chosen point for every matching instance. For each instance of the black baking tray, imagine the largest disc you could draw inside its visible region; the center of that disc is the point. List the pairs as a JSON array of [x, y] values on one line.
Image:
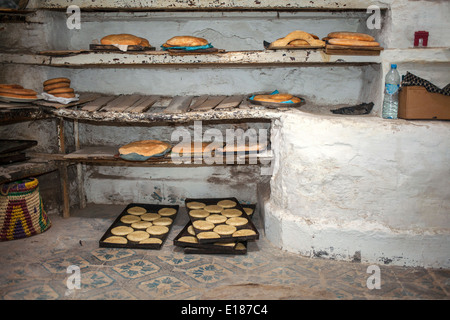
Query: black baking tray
[[223, 238], [133, 244], [206, 248]]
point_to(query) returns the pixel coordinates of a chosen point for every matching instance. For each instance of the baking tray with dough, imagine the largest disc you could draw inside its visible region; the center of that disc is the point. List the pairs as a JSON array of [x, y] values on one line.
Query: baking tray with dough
[[187, 239], [236, 227], [140, 226]]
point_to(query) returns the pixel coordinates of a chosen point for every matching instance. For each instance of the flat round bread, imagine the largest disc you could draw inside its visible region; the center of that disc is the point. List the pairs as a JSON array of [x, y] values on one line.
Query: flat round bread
[[244, 233], [248, 211], [213, 208], [129, 219], [191, 230], [237, 221], [145, 148], [157, 230], [116, 239], [224, 229], [64, 95], [138, 235], [208, 235], [21, 92], [186, 41], [356, 43], [224, 244], [203, 225], [55, 80], [167, 212], [151, 241], [141, 224], [121, 230], [56, 86], [199, 213], [164, 221], [226, 203], [189, 239], [240, 246], [137, 211], [216, 218], [195, 205], [150, 216], [230, 213], [61, 90], [12, 95], [350, 35], [125, 39]]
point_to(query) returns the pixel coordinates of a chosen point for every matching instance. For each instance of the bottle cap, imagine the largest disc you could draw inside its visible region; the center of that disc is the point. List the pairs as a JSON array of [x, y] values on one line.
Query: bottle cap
[[393, 66]]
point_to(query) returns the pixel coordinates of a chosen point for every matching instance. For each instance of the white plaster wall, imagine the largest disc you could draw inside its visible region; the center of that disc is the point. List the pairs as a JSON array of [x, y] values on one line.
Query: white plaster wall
[[343, 185]]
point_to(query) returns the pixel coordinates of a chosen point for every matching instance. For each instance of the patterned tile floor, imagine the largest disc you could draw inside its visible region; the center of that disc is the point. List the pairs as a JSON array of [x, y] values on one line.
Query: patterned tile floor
[[37, 268]]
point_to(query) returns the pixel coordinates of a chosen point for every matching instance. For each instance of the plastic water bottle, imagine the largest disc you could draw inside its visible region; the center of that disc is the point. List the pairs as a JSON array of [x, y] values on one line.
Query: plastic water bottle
[[392, 85]]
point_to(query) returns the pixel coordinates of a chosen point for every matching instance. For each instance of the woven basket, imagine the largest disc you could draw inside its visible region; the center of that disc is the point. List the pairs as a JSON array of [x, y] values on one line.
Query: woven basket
[[21, 211]]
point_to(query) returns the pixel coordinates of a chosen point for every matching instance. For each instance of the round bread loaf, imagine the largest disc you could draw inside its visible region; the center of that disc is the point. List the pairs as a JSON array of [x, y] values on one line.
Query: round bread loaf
[[350, 35], [18, 96], [230, 213], [355, 43], [129, 219], [208, 235], [167, 212], [157, 230], [124, 39], [226, 203], [57, 86], [224, 229], [145, 147], [137, 211], [151, 241], [195, 205], [141, 224], [244, 233], [164, 221], [121, 230], [190, 230], [61, 90], [150, 216], [203, 225], [199, 213], [237, 221], [64, 95], [20, 92], [248, 211], [216, 218], [186, 41], [189, 239], [116, 239], [138, 235], [55, 80]]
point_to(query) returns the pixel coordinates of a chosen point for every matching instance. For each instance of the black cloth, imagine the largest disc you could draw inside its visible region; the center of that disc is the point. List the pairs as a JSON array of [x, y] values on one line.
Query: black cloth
[[412, 80]]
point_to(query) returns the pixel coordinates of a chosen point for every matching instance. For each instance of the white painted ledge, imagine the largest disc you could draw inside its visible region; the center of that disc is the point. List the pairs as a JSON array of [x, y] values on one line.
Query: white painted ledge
[[207, 4]]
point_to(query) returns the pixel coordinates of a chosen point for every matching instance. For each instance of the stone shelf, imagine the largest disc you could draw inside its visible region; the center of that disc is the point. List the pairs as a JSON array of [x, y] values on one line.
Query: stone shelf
[[162, 58], [209, 5]]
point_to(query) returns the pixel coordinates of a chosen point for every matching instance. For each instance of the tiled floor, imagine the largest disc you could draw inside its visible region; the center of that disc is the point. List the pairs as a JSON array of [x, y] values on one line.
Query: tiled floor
[[36, 268]]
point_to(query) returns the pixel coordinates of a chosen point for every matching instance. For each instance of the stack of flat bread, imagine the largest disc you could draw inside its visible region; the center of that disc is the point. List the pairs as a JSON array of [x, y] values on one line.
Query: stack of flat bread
[[59, 87], [299, 39], [354, 39], [276, 98], [145, 148], [185, 41], [124, 39], [16, 91]]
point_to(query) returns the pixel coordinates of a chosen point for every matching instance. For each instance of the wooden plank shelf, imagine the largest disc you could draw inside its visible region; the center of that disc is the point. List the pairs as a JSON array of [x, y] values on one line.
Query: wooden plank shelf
[[30, 168], [107, 155], [155, 108]]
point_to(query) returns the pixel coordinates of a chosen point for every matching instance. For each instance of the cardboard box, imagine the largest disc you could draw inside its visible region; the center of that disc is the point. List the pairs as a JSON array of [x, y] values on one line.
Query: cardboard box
[[415, 102]]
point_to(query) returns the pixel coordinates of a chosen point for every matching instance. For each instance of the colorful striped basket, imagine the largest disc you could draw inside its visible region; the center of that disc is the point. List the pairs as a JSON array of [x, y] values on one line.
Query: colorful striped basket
[[21, 211]]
